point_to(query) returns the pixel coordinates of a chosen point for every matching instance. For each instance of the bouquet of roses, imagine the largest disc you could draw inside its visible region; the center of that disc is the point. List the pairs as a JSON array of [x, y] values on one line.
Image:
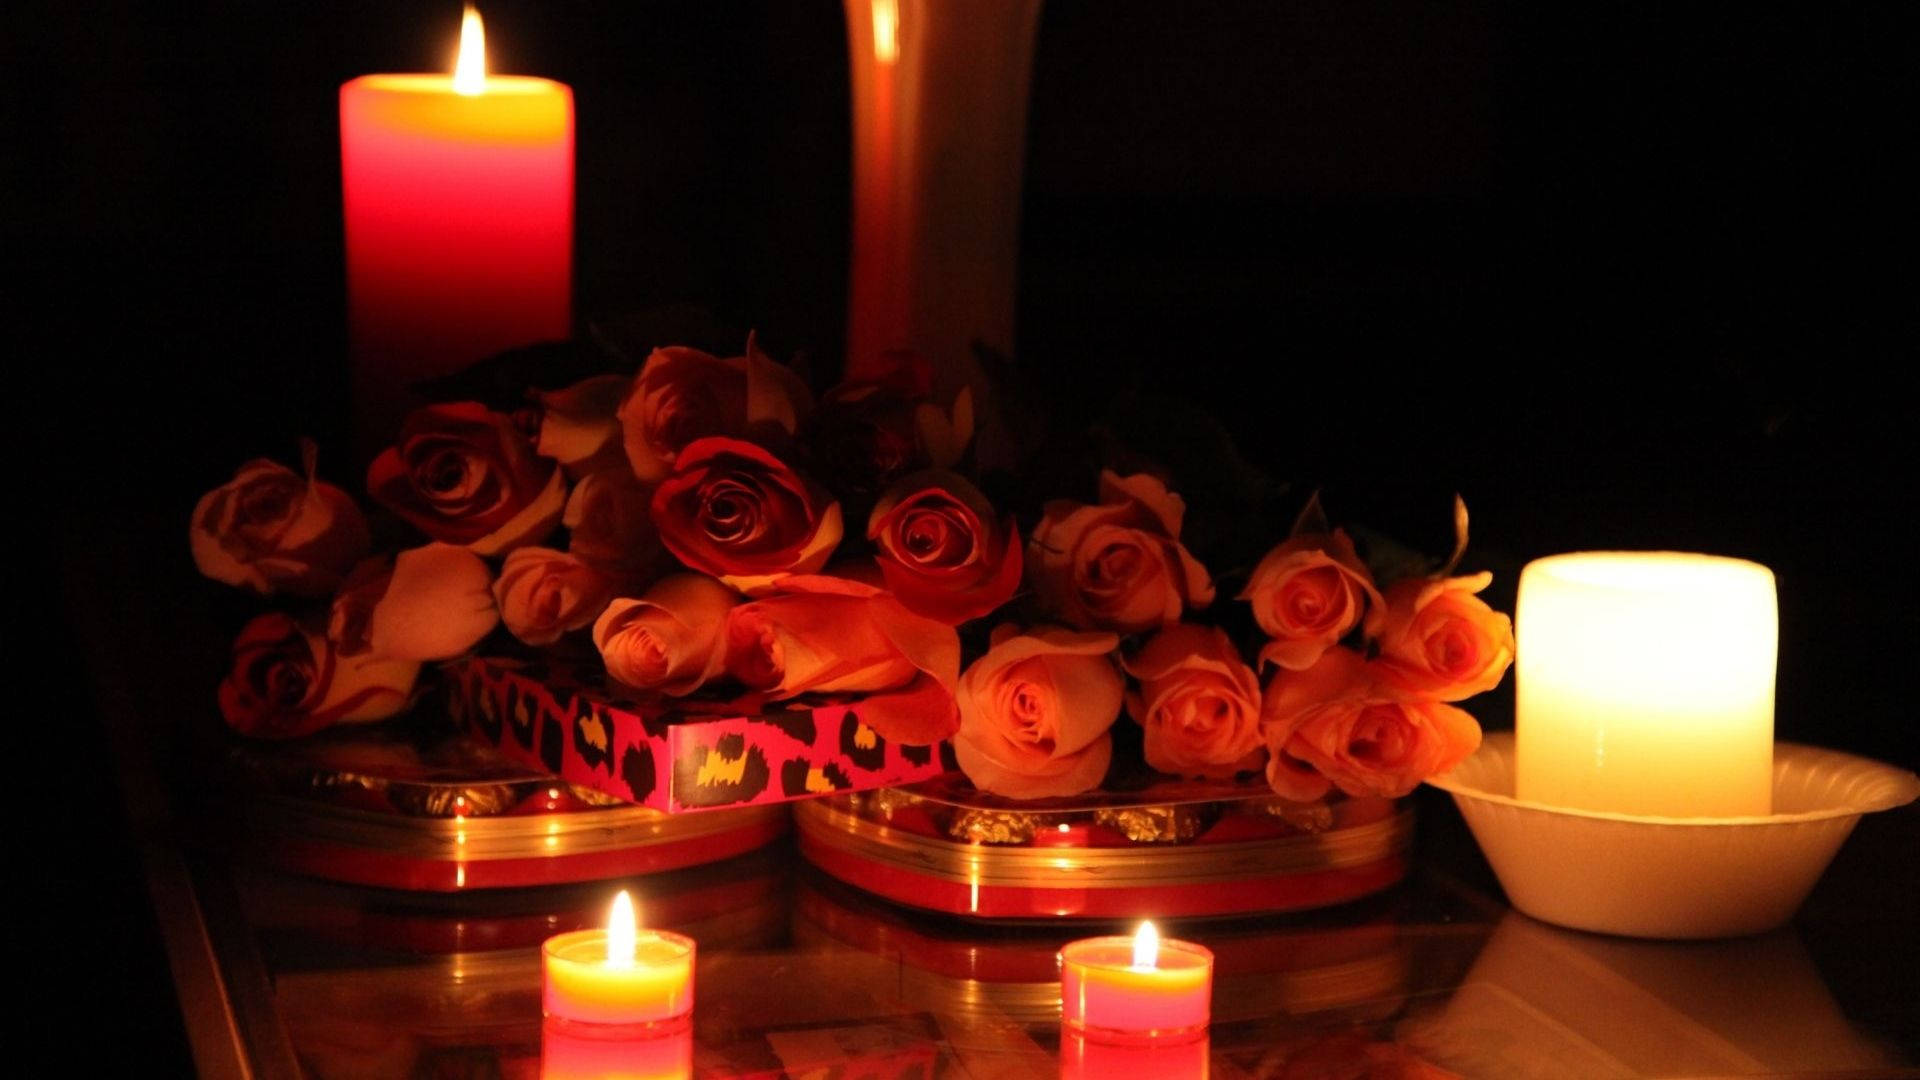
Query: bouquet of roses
[[713, 528]]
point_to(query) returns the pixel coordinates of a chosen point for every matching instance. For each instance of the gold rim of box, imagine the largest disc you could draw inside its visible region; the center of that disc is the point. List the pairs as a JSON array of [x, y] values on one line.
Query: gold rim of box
[[1104, 868], [478, 839]]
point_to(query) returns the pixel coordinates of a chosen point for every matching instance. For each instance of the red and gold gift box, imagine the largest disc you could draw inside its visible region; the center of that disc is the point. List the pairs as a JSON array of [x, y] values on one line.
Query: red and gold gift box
[[1175, 849], [678, 755]]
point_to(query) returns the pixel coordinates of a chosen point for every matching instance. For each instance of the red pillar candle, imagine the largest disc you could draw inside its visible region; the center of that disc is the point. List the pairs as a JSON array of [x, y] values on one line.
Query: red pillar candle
[[459, 221], [1137, 990]]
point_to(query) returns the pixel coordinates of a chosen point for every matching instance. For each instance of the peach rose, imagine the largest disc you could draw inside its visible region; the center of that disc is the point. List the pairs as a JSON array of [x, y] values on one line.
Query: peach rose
[[545, 593], [734, 511], [1348, 722], [287, 680], [683, 395], [830, 635], [1442, 641], [1035, 712], [1198, 703], [464, 474], [1307, 594], [430, 603], [271, 529], [1118, 565], [610, 527], [580, 424], [942, 549], [671, 640]]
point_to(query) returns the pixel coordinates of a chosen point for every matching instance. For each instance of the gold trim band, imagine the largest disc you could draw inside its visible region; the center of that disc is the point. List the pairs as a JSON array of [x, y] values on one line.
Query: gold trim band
[[1102, 868]]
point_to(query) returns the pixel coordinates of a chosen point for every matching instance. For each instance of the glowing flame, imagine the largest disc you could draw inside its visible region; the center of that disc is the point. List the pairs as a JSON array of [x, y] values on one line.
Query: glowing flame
[[886, 30], [470, 71], [1146, 947], [622, 932]]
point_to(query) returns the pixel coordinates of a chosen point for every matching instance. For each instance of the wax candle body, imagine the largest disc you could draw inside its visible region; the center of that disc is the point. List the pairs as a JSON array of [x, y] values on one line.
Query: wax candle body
[[1105, 996], [581, 987], [565, 1054], [1645, 684], [459, 226]]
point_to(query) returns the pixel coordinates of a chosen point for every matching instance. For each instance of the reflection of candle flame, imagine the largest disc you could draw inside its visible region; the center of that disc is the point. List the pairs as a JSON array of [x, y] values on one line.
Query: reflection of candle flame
[[470, 71], [621, 933], [1146, 947], [886, 30]]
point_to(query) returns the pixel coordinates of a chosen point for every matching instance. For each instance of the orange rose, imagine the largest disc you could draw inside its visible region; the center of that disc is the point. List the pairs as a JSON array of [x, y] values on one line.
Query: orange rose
[[1442, 641], [429, 603], [682, 395], [287, 680], [1198, 703], [734, 511], [1307, 594], [942, 550], [1035, 712], [672, 640], [1118, 565], [830, 635], [271, 529], [610, 527], [464, 474], [545, 593], [1348, 722], [580, 424]]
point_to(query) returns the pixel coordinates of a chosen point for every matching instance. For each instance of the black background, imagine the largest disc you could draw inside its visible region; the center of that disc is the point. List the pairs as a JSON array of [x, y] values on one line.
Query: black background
[[1623, 277]]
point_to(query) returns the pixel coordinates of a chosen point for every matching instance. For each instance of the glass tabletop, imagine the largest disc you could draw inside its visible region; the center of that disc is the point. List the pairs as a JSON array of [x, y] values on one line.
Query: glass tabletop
[[800, 975]]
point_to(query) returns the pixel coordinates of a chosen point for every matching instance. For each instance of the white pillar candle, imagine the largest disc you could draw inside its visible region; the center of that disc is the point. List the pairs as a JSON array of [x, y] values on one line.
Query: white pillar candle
[[1644, 684]]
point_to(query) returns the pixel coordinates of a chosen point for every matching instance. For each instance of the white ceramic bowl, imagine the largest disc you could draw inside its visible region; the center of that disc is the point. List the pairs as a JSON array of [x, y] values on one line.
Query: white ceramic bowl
[[1662, 877]]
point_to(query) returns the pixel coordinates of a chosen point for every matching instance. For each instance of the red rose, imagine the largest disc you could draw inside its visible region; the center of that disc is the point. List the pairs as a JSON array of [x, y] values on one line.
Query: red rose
[[288, 681], [466, 475], [1442, 641], [941, 549], [867, 432], [734, 511], [1347, 722], [830, 635]]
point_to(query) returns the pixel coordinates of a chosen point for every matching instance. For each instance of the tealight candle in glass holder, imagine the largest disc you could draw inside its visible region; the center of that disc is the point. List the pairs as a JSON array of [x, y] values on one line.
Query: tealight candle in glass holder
[[1137, 990], [621, 982]]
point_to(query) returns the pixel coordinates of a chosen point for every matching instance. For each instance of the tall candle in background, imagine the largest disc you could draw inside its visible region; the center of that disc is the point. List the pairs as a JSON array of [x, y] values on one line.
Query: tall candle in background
[[459, 221], [1644, 684]]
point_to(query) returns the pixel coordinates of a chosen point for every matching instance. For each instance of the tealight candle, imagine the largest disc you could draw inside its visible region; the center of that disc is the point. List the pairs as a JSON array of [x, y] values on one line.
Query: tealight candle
[[1645, 684], [1136, 990], [1082, 1058], [565, 1054], [621, 976], [459, 222]]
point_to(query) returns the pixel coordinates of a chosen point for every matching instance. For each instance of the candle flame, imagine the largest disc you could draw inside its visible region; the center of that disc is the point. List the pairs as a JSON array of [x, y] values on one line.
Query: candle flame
[[622, 932], [886, 30], [1146, 947], [470, 70]]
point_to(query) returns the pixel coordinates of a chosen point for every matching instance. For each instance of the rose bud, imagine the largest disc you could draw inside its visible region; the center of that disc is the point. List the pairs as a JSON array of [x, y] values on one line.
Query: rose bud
[[430, 603], [1035, 712], [545, 593], [580, 424], [1198, 703], [1307, 594], [1441, 641], [271, 529], [464, 474], [684, 395], [1118, 565], [1348, 721], [672, 640], [942, 550], [287, 681], [734, 511], [830, 635], [610, 527]]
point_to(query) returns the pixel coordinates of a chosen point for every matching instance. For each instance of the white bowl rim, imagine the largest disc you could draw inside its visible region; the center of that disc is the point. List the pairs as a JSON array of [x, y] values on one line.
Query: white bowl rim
[[1908, 791]]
